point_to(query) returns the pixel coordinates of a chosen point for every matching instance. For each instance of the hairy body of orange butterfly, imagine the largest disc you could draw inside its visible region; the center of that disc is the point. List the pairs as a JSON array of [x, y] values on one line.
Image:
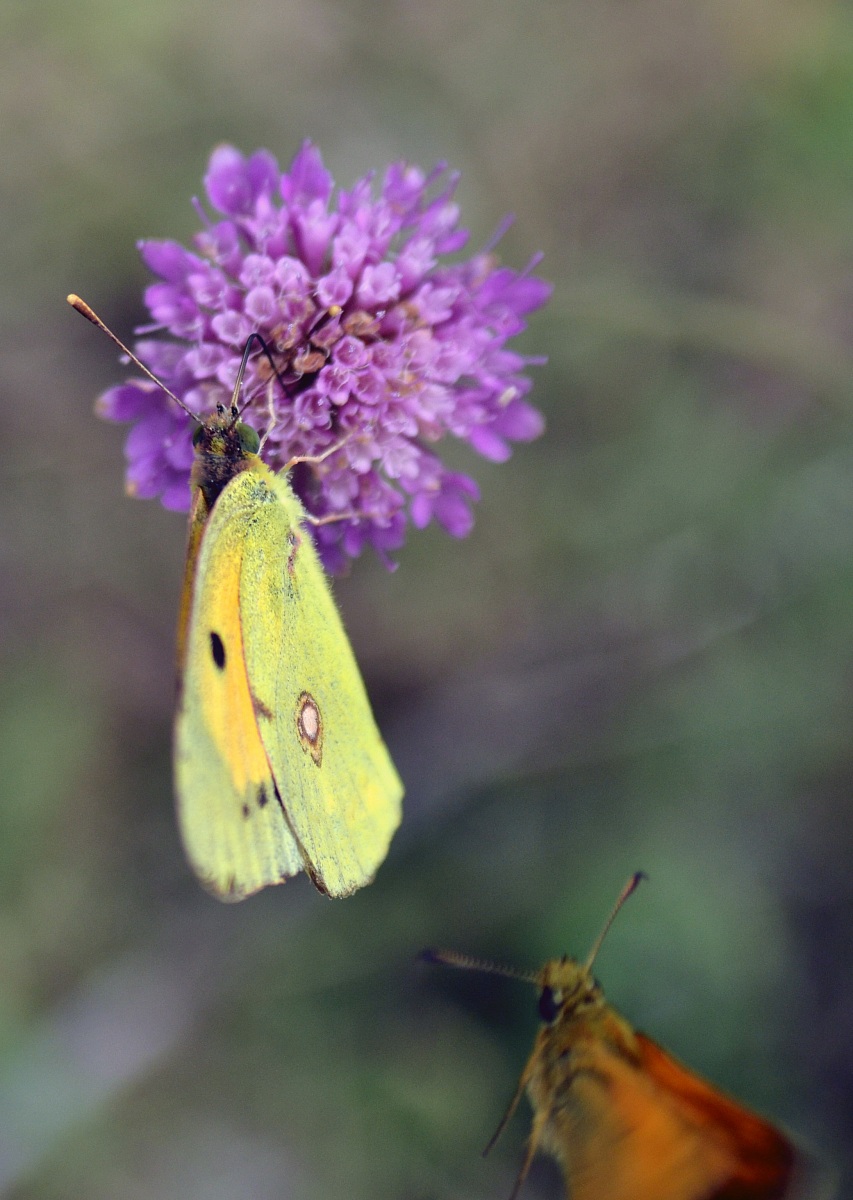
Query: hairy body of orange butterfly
[[623, 1118]]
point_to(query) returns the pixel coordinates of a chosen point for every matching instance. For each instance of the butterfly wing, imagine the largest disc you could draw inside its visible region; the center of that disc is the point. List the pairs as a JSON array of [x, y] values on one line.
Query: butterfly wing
[[762, 1162], [338, 786], [233, 827], [641, 1126]]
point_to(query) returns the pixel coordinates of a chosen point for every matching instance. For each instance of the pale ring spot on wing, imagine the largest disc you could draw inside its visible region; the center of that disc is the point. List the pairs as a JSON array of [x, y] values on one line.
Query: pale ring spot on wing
[[309, 726]]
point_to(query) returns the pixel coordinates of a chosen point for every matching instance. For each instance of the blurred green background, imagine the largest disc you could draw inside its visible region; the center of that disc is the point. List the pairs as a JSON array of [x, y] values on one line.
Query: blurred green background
[[641, 657]]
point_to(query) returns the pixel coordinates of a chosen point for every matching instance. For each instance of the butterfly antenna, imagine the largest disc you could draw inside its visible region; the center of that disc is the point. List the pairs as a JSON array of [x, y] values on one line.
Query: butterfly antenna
[[90, 315], [450, 958], [628, 890], [247, 350]]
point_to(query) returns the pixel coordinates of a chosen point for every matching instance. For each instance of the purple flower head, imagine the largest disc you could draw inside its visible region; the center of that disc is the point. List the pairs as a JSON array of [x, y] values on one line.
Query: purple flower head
[[380, 346]]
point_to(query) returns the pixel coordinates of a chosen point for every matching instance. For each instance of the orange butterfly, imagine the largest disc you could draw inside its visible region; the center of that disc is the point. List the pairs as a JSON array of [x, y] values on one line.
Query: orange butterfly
[[623, 1118]]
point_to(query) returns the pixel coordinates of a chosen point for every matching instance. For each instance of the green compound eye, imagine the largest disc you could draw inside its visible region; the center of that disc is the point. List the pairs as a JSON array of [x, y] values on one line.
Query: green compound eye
[[249, 439], [198, 434]]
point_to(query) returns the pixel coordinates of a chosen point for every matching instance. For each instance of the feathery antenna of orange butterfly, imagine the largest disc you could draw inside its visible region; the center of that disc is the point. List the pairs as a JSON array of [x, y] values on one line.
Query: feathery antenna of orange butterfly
[[452, 958]]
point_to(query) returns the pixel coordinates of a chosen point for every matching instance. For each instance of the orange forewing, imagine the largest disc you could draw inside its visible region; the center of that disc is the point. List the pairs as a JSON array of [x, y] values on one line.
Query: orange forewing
[[762, 1161], [626, 1121]]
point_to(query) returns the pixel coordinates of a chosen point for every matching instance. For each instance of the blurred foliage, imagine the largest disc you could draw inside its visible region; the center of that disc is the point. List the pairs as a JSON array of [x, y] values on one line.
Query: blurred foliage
[[642, 656]]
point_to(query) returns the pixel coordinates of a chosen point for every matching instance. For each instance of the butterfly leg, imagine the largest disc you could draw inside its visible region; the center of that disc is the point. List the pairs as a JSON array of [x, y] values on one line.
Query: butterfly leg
[[511, 1107], [313, 459], [540, 1120], [331, 517], [273, 417], [349, 515]]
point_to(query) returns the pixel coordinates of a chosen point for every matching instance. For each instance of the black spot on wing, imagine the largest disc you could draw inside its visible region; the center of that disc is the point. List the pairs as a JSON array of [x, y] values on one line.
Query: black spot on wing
[[217, 649], [263, 798], [246, 810]]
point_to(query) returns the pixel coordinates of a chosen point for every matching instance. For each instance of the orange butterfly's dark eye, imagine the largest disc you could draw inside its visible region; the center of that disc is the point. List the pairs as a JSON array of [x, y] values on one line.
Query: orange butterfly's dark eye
[[550, 1005], [198, 434]]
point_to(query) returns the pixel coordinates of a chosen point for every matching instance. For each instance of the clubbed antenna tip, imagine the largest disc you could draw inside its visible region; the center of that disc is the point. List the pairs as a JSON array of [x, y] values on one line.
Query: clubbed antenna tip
[[628, 890], [89, 313]]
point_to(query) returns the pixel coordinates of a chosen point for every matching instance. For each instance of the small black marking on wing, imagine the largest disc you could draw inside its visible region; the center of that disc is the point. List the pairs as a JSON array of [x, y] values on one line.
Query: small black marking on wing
[[311, 871], [263, 798], [278, 794], [295, 542], [246, 810], [260, 708], [217, 649]]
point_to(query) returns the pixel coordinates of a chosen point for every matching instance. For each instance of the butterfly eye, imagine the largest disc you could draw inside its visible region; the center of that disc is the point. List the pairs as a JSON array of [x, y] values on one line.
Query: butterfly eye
[[249, 439], [550, 1004], [198, 434]]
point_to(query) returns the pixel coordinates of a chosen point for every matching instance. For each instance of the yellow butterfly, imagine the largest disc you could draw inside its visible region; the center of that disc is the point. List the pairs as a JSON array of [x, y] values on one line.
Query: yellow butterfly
[[279, 766]]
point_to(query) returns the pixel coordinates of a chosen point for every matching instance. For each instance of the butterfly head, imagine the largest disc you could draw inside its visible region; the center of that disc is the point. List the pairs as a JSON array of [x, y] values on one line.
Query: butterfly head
[[562, 981], [566, 987], [224, 447], [224, 435], [220, 439]]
